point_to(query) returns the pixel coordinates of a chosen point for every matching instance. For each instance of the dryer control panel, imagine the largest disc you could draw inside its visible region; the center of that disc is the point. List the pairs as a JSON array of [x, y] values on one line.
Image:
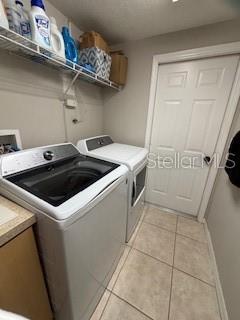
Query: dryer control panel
[[98, 142]]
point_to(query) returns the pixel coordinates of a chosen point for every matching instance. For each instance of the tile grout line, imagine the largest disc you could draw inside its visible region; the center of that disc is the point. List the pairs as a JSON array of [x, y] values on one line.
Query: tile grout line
[[143, 313], [135, 236], [160, 227], [111, 290], [130, 249], [105, 306], [183, 235], [137, 229], [174, 249], [172, 266], [173, 212], [176, 234], [190, 275], [148, 255]]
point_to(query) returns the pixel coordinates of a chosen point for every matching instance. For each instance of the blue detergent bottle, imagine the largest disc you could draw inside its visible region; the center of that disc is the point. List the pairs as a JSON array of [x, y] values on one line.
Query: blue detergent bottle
[[71, 51]]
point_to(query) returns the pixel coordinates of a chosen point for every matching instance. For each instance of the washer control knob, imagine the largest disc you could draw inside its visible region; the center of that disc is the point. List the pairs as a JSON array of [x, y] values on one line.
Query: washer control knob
[[48, 155]]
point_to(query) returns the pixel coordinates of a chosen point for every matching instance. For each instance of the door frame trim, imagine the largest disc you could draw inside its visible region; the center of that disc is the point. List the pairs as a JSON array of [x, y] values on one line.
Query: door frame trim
[[196, 54]]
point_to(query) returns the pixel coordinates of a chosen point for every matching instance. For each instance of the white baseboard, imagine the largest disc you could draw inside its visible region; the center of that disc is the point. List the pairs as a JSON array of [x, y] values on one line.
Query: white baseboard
[[220, 296], [178, 213]]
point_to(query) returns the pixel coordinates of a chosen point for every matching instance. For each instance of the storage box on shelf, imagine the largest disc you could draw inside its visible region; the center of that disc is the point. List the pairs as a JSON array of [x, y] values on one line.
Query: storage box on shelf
[[15, 43], [93, 39], [119, 67], [95, 52], [97, 58]]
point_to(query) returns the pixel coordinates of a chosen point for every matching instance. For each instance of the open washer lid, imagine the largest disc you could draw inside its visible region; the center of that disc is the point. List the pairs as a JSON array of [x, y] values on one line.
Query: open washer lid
[[104, 148], [56, 179]]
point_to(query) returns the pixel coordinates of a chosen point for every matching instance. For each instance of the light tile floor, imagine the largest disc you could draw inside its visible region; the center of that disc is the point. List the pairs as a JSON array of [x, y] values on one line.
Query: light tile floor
[[165, 273]]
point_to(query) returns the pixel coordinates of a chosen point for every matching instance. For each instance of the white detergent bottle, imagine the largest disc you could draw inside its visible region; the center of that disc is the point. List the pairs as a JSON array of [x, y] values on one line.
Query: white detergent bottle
[[3, 17], [57, 42], [40, 24], [13, 15], [24, 20]]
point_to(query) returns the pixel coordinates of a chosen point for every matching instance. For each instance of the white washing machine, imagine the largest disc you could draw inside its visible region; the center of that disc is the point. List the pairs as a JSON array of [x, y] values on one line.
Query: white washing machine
[[81, 209], [134, 158]]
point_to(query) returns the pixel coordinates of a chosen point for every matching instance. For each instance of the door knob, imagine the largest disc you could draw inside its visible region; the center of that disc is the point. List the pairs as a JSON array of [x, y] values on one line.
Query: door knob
[[207, 160]]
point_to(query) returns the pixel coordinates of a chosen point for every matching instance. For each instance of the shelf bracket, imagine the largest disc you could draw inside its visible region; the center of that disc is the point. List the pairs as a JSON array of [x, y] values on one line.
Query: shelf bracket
[[65, 93]]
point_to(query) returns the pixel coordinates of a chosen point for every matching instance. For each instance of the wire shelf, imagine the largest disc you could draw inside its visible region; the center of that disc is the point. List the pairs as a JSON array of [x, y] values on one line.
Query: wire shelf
[[15, 43]]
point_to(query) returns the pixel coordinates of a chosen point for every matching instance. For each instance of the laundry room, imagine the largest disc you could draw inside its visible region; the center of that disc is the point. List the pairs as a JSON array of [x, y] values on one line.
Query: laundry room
[[119, 160]]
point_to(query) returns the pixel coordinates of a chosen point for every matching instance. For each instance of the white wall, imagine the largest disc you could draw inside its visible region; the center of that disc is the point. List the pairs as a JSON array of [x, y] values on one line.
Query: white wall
[[31, 100], [125, 113], [223, 219]]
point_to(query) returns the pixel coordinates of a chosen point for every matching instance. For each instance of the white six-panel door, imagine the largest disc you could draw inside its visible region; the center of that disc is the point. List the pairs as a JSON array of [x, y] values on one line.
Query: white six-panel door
[[190, 103]]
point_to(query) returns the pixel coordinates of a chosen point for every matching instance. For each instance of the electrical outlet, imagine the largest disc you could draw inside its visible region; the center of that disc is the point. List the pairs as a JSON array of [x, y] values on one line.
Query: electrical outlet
[[71, 103]]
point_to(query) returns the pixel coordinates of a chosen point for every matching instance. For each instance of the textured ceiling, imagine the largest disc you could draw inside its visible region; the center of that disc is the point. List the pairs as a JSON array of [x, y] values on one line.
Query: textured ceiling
[[124, 20]]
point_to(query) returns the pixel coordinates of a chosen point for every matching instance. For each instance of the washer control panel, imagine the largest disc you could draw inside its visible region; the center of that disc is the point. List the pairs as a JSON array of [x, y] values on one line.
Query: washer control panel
[[24, 160]]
